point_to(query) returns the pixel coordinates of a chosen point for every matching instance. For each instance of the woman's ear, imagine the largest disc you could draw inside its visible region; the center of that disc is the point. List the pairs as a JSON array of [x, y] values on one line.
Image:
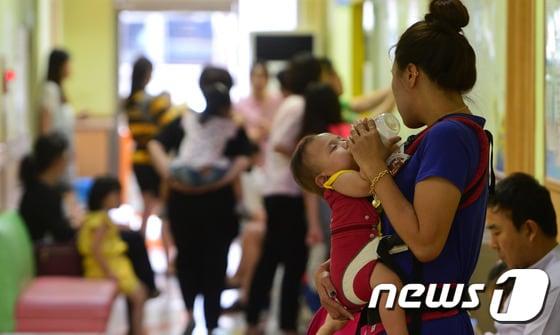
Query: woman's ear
[[412, 73], [321, 179]]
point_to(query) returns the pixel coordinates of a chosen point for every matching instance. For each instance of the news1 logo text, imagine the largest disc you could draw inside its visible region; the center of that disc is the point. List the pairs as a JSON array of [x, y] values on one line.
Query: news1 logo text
[[525, 302]]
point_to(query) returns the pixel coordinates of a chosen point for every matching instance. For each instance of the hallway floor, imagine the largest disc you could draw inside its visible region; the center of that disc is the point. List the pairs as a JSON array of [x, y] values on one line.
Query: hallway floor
[[165, 314]]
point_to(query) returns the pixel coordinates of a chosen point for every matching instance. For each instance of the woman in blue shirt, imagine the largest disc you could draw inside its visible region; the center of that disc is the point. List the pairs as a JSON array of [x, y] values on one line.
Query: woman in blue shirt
[[436, 201]]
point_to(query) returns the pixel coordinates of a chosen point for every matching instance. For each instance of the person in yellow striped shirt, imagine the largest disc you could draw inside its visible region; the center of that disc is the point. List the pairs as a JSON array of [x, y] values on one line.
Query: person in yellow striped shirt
[[147, 116]]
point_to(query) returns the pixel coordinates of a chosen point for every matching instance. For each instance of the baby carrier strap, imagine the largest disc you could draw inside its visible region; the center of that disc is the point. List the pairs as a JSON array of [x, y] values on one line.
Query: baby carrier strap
[[476, 186], [390, 245]]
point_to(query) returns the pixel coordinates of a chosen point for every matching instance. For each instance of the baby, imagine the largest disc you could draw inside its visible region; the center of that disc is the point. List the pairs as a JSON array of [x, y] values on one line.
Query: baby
[[322, 164], [201, 158]]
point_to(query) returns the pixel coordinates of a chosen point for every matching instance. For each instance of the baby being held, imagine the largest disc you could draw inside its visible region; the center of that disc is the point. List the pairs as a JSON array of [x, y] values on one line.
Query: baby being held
[[201, 160], [322, 164]]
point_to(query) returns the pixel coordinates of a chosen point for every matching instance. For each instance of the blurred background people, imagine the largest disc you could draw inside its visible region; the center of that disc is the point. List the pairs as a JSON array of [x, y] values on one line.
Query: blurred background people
[[289, 221], [376, 102], [42, 207], [56, 113], [203, 220], [256, 113], [147, 115], [258, 109]]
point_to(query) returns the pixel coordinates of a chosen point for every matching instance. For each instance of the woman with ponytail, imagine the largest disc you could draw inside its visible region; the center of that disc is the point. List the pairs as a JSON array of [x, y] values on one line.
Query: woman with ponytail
[[41, 173], [435, 202]]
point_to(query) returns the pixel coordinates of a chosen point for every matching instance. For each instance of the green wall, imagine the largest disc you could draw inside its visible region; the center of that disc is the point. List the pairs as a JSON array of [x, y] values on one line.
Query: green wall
[[487, 33], [339, 42], [43, 42], [89, 34]]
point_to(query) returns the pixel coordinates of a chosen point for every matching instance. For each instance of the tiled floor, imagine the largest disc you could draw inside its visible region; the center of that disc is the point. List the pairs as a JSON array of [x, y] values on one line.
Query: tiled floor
[[165, 314]]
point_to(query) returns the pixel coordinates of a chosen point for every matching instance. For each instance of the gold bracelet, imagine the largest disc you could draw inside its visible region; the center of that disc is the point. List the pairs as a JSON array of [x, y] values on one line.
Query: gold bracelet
[[375, 180]]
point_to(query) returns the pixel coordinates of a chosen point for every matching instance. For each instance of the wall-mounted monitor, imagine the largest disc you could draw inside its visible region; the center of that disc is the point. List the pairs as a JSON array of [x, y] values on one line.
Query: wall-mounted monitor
[[281, 46]]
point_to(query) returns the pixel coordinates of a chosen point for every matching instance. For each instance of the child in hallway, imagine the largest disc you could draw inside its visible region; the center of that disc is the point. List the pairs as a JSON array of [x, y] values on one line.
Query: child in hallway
[[322, 164], [104, 252], [201, 158]]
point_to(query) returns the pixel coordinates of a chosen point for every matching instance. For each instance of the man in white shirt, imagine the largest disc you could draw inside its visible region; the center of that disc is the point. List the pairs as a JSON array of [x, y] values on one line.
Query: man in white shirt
[[522, 223]]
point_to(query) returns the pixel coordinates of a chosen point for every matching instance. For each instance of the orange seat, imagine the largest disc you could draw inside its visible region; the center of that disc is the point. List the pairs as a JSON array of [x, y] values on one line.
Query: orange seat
[[65, 304]]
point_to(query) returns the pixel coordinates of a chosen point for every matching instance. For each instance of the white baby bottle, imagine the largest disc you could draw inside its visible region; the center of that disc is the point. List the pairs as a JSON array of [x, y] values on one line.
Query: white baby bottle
[[387, 125]]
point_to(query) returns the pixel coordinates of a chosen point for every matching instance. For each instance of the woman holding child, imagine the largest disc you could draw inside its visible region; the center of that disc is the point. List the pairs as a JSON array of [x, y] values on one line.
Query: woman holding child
[[436, 201], [202, 200]]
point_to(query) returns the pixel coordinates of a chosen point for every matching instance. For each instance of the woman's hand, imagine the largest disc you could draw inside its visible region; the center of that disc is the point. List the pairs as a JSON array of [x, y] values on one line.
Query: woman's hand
[[327, 294], [366, 146]]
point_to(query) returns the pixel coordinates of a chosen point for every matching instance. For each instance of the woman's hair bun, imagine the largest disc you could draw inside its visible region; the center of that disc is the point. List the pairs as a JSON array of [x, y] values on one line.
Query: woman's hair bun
[[449, 12]]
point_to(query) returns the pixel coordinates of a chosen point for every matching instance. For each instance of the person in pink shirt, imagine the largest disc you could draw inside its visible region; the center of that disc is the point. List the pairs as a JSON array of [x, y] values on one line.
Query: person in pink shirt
[[257, 110], [256, 113]]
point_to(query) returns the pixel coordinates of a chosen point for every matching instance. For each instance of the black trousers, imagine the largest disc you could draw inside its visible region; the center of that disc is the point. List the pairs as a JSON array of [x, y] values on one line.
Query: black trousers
[[203, 227], [284, 243], [138, 256]]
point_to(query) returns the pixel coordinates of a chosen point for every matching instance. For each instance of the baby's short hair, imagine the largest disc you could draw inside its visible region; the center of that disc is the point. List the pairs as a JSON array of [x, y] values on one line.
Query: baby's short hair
[[302, 170]]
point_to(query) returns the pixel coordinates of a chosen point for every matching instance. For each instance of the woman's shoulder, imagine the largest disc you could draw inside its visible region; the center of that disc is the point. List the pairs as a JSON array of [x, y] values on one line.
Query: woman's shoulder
[[274, 98], [160, 101], [51, 90], [245, 102], [456, 129], [294, 99], [290, 110], [293, 103], [51, 86], [41, 191]]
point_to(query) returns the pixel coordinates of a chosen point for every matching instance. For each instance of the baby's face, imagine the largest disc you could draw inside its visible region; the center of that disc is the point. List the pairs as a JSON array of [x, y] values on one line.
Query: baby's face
[[329, 153]]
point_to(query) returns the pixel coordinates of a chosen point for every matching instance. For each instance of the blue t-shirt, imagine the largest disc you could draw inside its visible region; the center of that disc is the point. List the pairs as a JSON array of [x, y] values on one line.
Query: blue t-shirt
[[450, 150]]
